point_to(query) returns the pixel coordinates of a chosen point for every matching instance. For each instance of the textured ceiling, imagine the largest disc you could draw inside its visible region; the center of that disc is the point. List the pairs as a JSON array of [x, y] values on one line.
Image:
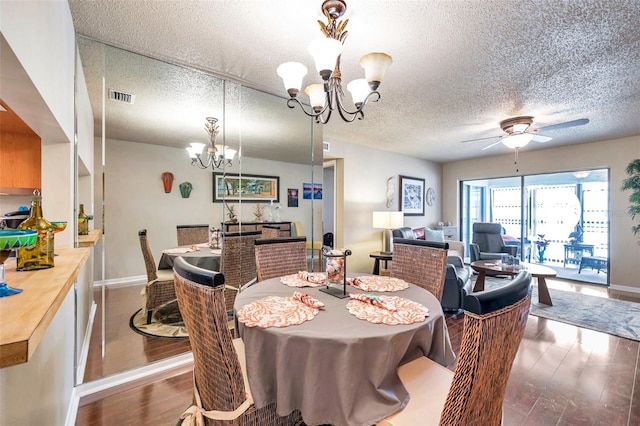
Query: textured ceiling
[[460, 67]]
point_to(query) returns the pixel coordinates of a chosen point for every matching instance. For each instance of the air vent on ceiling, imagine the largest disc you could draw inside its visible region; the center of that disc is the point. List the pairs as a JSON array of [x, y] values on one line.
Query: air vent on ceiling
[[118, 96], [325, 146]]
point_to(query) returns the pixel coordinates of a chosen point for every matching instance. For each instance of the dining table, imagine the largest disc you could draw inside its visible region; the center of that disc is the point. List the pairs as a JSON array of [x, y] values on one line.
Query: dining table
[[201, 255], [336, 368]]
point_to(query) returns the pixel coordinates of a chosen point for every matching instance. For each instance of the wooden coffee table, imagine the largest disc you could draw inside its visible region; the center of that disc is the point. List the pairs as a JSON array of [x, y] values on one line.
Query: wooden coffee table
[[537, 271]]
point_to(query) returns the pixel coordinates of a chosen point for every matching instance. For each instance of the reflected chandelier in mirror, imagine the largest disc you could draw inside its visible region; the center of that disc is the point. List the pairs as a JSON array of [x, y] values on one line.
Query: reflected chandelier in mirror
[[218, 155]]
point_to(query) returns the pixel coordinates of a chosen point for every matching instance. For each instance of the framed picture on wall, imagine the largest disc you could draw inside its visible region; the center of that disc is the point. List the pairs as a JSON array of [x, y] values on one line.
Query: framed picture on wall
[[312, 190], [412, 196], [292, 197], [234, 187]]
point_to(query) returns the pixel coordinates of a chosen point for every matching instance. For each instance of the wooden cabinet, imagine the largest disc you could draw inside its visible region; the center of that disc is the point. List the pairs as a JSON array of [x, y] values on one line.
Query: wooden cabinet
[[20, 155], [285, 227]]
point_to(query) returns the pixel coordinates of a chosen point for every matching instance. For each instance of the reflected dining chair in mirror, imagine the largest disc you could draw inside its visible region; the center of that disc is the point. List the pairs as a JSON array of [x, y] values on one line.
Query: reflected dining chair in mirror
[[159, 288], [276, 257], [270, 231], [238, 263], [192, 234], [420, 262], [494, 324], [220, 384]]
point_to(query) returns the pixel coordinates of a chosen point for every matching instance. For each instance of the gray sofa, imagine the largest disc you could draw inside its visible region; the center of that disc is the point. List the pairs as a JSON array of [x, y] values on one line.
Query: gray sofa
[[457, 282]]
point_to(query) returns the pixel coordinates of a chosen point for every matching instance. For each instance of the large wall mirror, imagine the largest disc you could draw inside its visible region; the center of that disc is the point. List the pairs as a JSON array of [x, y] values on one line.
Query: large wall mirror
[[151, 111]]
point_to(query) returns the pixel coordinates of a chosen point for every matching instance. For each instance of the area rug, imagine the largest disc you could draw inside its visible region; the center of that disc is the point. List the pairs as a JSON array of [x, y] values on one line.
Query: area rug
[[616, 317], [166, 323]]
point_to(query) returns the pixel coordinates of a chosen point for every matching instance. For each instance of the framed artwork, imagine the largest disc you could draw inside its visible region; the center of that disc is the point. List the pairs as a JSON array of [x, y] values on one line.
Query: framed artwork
[[411, 196], [312, 190], [250, 188], [292, 197]]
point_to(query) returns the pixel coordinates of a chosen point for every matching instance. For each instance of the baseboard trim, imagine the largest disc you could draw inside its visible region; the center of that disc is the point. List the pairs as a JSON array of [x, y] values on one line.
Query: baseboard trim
[[116, 383], [121, 282], [624, 288]]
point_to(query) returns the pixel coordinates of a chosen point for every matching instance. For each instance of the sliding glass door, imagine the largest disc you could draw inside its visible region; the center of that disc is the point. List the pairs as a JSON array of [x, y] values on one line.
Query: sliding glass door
[[555, 219]]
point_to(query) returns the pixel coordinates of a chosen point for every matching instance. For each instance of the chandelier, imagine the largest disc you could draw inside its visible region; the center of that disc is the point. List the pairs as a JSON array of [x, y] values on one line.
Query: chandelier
[[218, 155], [329, 96]]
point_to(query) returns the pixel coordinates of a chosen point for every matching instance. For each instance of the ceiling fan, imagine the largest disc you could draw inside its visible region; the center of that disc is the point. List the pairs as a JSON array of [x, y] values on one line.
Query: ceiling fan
[[518, 132]]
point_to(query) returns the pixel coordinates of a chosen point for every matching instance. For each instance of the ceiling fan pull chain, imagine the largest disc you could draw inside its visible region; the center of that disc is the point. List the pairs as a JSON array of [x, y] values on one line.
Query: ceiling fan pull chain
[[516, 160]]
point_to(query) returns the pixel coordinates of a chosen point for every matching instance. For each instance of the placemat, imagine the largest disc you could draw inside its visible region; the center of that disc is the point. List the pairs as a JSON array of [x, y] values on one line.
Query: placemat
[[275, 311], [378, 283], [406, 311]]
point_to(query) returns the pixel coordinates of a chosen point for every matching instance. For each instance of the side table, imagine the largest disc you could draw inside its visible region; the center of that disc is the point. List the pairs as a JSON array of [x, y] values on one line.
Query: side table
[[378, 256]]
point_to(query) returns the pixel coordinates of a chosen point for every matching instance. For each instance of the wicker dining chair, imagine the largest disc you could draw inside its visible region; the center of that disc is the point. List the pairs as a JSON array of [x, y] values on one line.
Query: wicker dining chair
[[423, 263], [276, 257], [238, 263], [159, 288], [192, 234], [219, 366], [494, 324], [270, 231]]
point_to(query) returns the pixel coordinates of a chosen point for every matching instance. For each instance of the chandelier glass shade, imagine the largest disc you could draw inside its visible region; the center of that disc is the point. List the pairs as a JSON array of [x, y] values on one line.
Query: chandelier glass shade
[[517, 140], [328, 96], [217, 155]]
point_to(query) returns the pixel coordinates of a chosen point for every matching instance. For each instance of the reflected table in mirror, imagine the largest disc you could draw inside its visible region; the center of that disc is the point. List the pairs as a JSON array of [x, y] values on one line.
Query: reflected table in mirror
[[336, 368], [205, 257]]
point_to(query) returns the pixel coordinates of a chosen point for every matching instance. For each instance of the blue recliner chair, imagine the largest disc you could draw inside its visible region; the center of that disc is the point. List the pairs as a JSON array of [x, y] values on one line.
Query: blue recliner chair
[[488, 243]]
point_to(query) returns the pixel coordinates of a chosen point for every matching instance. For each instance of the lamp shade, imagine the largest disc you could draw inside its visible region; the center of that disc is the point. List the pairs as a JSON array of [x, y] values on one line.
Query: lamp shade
[[517, 141], [359, 90], [194, 149], [225, 152], [325, 52], [292, 74], [316, 95], [388, 220], [375, 66]]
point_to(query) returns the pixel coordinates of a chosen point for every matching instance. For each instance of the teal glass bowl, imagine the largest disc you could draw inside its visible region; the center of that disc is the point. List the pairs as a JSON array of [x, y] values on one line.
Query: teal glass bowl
[[13, 238]]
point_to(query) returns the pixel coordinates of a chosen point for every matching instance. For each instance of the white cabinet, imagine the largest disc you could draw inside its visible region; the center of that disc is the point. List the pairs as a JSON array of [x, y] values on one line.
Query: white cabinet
[[450, 232]]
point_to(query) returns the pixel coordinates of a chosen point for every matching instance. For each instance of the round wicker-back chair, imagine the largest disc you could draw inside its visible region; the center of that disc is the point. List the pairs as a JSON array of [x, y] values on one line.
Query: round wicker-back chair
[[159, 288], [220, 383], [423, 263], [276, 257], [192, 234], [494, 324]]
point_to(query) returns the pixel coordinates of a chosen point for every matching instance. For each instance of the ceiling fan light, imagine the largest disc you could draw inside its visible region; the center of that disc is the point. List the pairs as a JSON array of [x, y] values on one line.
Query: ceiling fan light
[[375, 65], [316, 95], [292, 74], [325, 52], [517, 141], [359, 90], [520, 127]]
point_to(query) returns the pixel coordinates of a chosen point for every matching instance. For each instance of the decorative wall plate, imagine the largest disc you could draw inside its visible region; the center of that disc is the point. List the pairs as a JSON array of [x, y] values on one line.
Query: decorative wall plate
[[431, 197]]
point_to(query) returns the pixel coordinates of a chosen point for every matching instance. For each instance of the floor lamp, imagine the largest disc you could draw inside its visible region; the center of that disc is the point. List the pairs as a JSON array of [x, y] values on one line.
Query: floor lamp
[[387, 220]]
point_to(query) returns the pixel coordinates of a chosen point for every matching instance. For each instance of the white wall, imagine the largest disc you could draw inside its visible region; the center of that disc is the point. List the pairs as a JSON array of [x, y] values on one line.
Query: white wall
[[366, 172], [135, 200], [612, 154]]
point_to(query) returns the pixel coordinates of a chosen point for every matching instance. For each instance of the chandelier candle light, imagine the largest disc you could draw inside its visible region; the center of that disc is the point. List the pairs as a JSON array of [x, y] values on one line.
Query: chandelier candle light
[[328, 96], [218, 155]]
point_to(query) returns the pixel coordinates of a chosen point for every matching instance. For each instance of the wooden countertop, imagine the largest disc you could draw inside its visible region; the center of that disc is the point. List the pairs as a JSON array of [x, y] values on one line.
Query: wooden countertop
[[25, 317], [91, 239]]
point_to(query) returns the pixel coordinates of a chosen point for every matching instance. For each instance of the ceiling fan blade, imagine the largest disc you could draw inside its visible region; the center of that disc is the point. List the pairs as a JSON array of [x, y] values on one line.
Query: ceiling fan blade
[[541, 138], [579, 122], [491, 146], [482, 139]]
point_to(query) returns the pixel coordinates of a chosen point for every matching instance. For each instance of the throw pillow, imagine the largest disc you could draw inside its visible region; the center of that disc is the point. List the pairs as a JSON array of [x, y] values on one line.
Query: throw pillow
[[434, 235], [418, 233]]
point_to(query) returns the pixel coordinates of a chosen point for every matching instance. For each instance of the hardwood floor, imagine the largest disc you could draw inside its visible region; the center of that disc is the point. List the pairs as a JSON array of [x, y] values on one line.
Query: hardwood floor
[[124, 348], [562, 375]]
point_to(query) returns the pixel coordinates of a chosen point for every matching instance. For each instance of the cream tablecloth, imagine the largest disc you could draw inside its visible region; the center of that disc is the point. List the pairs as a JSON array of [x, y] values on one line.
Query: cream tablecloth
[[337, 369]]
